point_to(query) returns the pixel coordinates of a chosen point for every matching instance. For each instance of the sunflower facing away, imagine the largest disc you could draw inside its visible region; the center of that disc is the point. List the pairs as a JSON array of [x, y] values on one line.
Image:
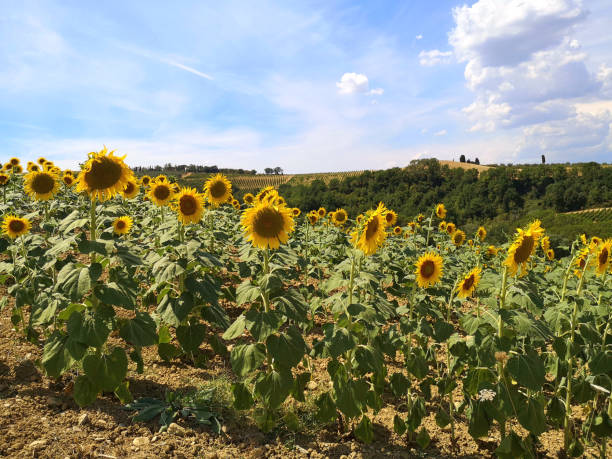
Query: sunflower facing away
[[131, 189], [397, 231], [481, 233], [370, 234], [41, 185], [428, 269], [467, 286], [523, 247], [545, 243], [340, 217], [295, 212], [160, 193], [189, 206], [122, 225], [441, 210], [217, 190], [390, 218], [458, 238], [14, 226], [248, 199], [104, 175], [267, 225], [603, 256]]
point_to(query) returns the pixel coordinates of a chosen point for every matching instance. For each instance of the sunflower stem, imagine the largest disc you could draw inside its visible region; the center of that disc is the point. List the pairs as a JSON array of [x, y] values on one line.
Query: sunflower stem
[[266, 268], [351, 282], [92, 228], [567, 273], [500, 331], [451, 403], [429, 226]]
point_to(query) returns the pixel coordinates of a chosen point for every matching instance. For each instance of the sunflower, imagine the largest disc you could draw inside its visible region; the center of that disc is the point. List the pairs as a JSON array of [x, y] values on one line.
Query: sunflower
[[248, 199], [131, 189], [321, 212], [441, 210], [32, 167], [550, 254], [359, 218], [471, 242], [428, 269], [295, 212], [397, 230], [450, 228], [491, 251], [581, 261], [14, 226], [41, 185], [420, 218], [41, 160], [267, 225], [458, 238], [236, 204], [176, 187], [217, 189], [68, 172], [412, 225], [4, 178], [160, 193], [523, 247], [122, 225], [104, 175], [595, 241], [370, 234], [603, 256], [8, 167], [340, 217], [68, 180], [189, 205], [390, 218], [545, 243], [467, 286], [14, 161], [313, 217], [18, 169], [145, 180], [481, 233], [160, 178], [442, 226], [583, 239], [265, 194]]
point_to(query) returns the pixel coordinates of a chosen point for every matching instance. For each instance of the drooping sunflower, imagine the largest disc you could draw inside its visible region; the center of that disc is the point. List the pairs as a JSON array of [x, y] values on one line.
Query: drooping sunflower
[[450, 228], [468, 284], [122, 225], [321, 212], [104, 175], [603, 256], [68, 180], [340, 217], [267, 225], [458, 238], [522, 248], [440, 211], [491, 251], [295, 212], [442, 226], [428, 269], [397, 230], [176, 188], [390, 218], [248, 199], [160, 193], [370, 234], [550, 254], [420, 218], [189, 206], [145, 180], [14, 226], [4, 178], [581, 261], [313, 217], [217, 189], [545, 243], [41, 185], [131, 189], [14, 161], [481, 233]]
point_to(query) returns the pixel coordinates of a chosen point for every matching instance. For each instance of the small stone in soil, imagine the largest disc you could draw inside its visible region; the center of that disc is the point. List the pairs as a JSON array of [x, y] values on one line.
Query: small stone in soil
[[140, 441], [83, 419]]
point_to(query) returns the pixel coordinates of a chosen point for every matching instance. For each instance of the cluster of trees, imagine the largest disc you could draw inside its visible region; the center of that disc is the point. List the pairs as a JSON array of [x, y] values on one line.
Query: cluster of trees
[[274, 170], [468, 196], [463, 160], [182, 168]]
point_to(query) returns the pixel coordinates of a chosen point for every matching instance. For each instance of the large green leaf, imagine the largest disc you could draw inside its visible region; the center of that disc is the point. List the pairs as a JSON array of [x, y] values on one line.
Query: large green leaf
[[531, 416], [243, 400], [236, 329], [139, 331], [528, 370], [56, 358], [107, 371], [364, 431], [274, 387], [191, 336], [287, 349], [85, 391], [88, 328], [262, 324], [247, 357]]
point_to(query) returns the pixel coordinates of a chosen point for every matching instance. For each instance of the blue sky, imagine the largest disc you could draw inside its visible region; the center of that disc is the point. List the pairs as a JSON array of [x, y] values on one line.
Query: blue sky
[[308, 86]]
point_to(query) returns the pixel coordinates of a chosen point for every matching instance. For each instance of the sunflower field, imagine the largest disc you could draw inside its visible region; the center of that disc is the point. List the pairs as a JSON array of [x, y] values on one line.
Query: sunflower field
[[508, 342]]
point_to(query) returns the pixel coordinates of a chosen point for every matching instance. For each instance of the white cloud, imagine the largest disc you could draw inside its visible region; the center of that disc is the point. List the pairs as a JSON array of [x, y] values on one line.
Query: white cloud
[[352, 83], [441, 133], [434, 57], [419, 37]]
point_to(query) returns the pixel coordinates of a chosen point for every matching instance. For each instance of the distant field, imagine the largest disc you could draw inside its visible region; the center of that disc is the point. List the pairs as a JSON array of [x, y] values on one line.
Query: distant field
[[455, 164]]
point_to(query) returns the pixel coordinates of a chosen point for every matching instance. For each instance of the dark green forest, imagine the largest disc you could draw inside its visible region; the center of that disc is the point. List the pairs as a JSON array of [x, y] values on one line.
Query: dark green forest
[[500, 197]]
